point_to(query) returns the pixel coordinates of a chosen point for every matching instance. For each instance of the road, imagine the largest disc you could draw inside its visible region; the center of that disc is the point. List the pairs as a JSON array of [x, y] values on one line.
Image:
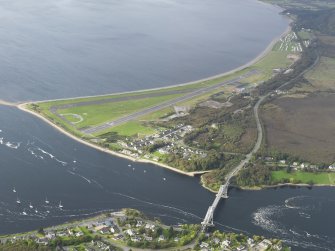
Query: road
[[258, 141], [259, 124], [166, 104]]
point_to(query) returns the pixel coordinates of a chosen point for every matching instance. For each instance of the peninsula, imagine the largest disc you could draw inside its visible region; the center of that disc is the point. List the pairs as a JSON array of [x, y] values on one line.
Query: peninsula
[[216, 127]]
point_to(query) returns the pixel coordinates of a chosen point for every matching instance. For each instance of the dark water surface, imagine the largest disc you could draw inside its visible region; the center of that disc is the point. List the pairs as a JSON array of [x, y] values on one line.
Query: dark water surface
[[40, 162], [66, 48], [53, 49]]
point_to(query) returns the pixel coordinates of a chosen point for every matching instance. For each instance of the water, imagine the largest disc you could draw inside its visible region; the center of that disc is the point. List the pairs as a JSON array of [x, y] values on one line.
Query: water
[[40, 162], [54, 49], [66, 48]]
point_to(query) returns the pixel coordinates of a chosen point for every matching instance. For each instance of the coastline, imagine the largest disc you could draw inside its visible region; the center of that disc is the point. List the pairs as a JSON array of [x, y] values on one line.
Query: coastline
[[22, 106], [220, 75], [280, 185]]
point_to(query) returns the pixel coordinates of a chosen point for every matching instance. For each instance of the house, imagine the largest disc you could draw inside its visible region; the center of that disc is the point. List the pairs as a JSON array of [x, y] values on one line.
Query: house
[[161, 238], [278, 246], [288, 71], [98, 228], [109, 223], [225, 243], [277, 70], [150, 226], [332, 167], [304, 165], [130, 232], [216, 240], [204, 245], [264, 245], [61, 234], [50, 235], [43, 241], [282, 161], [118, 236], [314, 167], [78, 234], [139, 223], [105, 230], [148, 238], [240, 248], [136, 239], [251, 242]]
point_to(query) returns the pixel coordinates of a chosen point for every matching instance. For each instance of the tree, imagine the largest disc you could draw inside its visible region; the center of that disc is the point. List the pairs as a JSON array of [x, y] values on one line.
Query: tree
[[40, 230]]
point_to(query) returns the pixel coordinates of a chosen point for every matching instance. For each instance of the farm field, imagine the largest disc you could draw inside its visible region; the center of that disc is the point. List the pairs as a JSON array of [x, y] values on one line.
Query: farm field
[[304, 177]]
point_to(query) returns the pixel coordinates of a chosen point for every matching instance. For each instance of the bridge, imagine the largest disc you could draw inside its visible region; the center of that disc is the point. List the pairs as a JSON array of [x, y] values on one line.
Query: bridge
[[209, 218]]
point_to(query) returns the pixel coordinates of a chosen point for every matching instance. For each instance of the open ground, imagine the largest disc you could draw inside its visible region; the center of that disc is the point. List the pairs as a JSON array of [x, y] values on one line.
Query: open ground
[[303, 126]]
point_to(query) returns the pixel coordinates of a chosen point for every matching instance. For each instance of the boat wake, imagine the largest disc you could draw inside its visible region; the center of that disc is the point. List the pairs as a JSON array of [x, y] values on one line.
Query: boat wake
[[12, 145], [271, 220]]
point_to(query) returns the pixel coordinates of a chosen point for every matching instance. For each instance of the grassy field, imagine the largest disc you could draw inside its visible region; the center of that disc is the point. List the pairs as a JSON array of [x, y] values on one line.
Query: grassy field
[[323, 76], [275, 59], [130, 129], [304, 177], [97, 114], [305, 35], [302, 126]]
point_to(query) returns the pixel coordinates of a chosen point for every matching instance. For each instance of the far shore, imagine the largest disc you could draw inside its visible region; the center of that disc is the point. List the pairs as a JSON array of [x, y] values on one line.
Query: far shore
[[23, 107], [280, 185]]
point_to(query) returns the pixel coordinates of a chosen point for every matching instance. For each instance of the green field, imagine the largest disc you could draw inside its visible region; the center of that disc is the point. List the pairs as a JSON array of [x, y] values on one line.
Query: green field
[[304, 177], [275, 59], [97, 114], [130, 128]]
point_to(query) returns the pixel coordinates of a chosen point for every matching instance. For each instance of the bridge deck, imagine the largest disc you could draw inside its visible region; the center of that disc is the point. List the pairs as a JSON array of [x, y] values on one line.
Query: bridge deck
[[222, 193]]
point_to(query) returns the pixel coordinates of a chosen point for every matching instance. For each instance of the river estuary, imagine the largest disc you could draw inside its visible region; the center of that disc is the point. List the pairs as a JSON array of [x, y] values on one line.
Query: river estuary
[[65, 48]]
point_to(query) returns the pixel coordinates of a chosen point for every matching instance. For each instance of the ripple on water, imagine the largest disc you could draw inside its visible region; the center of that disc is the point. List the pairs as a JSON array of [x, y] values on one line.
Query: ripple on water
[[271, 219]]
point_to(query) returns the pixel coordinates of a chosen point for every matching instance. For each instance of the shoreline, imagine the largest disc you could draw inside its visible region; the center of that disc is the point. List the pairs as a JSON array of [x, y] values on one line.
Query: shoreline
[[260, 56], [280, 185], [22, 107]]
